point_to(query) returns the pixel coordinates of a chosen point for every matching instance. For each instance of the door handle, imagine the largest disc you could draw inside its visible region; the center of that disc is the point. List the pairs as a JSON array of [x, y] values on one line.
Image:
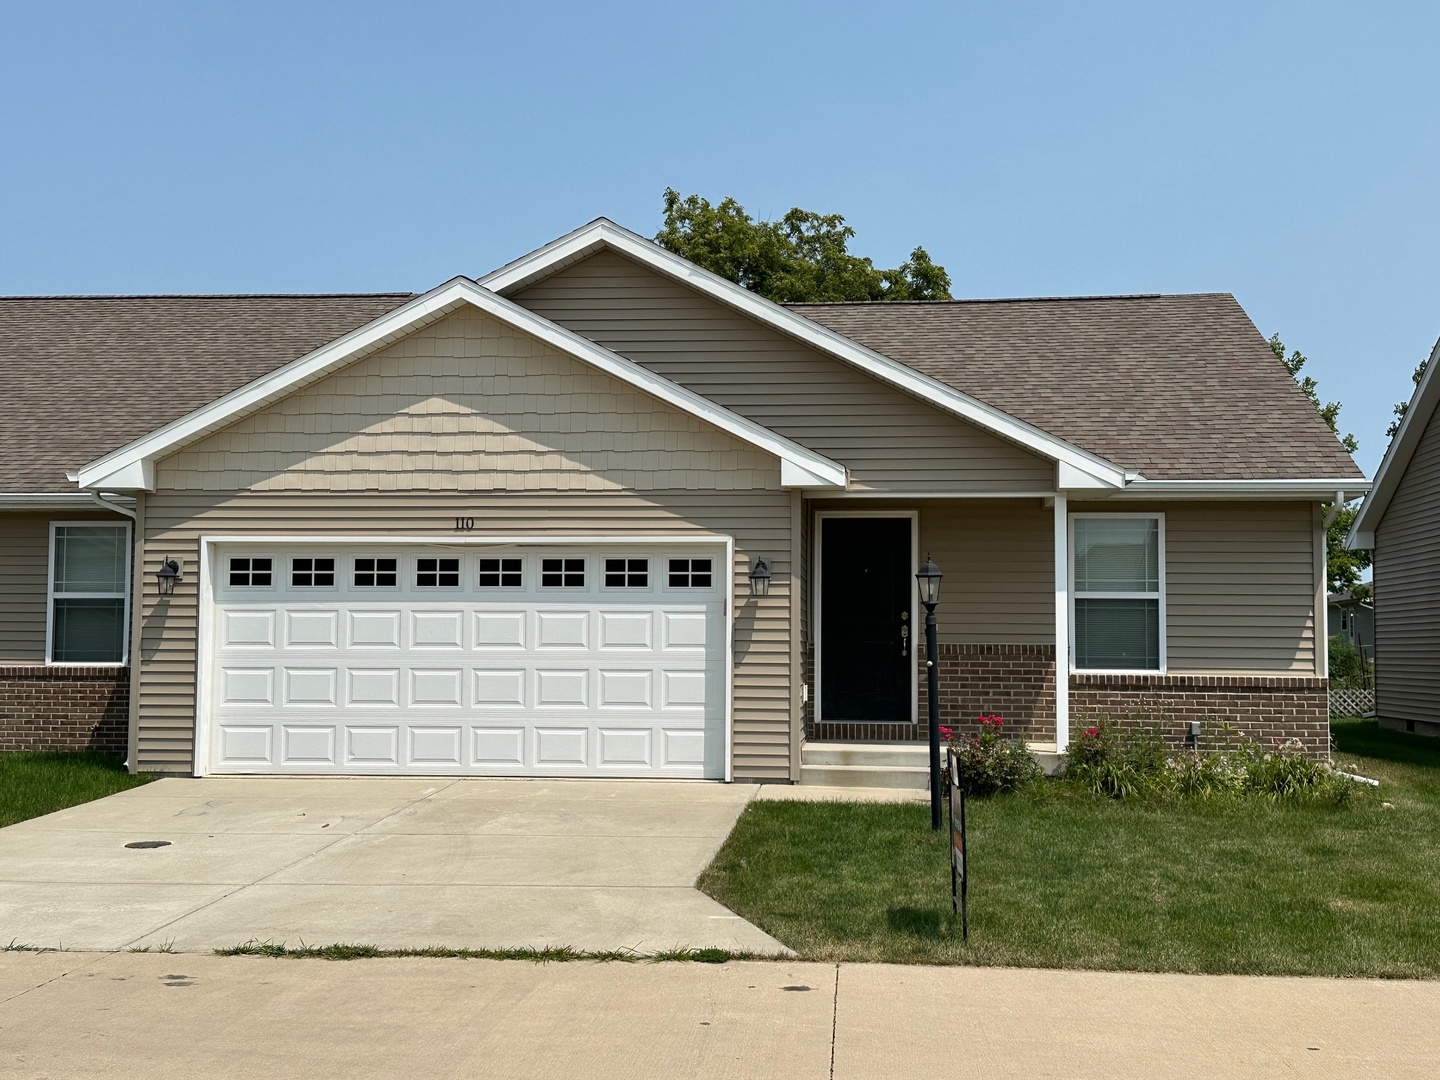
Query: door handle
[[905, 640]]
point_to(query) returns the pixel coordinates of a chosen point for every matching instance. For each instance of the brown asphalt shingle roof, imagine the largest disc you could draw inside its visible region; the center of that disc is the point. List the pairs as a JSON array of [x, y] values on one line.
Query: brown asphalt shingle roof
[[82, 376], [1178, 387]]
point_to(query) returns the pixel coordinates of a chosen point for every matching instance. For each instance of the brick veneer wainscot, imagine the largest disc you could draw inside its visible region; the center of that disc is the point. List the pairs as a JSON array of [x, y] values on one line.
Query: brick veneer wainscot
[[64, 708], [1231, 708], [1018, 682]]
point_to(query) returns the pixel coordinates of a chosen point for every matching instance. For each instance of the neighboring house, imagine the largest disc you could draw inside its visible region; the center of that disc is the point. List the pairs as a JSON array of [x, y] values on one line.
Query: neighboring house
[[1400, 523], [1353, 618], [522, 525]]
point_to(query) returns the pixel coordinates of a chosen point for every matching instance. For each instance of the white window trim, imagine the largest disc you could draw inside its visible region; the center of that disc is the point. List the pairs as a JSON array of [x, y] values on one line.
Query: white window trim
[[50, 597], [1156, 516]]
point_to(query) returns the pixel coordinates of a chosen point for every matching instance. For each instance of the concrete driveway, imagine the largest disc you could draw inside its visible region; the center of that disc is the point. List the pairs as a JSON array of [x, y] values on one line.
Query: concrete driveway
[[391, 862]]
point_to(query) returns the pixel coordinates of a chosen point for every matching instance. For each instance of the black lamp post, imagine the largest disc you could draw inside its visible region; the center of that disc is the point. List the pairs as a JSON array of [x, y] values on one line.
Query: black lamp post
[[928, 578]]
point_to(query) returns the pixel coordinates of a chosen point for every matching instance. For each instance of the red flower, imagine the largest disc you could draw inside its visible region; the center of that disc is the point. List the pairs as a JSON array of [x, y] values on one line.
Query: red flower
[[946, 732], [1093, 732], [992, 721]]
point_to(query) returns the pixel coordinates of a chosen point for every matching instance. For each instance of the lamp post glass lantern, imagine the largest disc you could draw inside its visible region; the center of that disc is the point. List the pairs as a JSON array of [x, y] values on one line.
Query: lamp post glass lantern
[[928, 579], [760, 578]]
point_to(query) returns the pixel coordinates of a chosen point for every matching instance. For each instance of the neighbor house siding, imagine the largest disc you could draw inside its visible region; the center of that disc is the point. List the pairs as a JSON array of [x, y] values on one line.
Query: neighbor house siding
[[889, 440], [24, 580], [496, 428], [1407, 591], [1240, 585]]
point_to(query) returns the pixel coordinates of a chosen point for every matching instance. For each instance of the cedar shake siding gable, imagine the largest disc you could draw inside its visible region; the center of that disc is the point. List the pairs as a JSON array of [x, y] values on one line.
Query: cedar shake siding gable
[[889, 440], [468, 404], [469, 417]]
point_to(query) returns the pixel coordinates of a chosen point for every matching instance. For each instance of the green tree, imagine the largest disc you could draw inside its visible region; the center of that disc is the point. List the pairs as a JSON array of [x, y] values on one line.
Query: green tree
[[803, 257], [1402, 406], [1343, 567]]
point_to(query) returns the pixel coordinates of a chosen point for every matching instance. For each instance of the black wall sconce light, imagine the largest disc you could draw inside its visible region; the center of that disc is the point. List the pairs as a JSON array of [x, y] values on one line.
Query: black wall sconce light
[[760, 578], [167, 575]]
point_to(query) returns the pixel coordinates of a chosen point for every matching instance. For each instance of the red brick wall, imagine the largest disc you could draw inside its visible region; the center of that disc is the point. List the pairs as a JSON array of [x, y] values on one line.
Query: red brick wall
[[1016, 681], [1231, 708], [64, 708]]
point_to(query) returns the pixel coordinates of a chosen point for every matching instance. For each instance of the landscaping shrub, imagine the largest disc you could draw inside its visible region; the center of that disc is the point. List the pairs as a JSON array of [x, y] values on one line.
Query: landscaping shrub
[[991, 762], [1129, 765]]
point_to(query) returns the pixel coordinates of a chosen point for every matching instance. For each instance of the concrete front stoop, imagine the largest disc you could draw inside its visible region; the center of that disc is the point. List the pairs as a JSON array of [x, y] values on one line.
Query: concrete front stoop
[[887, 764]]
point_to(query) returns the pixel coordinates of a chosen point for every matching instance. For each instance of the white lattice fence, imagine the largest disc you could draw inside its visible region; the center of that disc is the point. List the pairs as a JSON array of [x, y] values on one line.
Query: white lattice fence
[[1351, 702]]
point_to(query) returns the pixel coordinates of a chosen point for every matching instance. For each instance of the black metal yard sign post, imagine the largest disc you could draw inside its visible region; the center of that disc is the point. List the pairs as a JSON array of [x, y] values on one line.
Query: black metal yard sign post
[[958, 877]]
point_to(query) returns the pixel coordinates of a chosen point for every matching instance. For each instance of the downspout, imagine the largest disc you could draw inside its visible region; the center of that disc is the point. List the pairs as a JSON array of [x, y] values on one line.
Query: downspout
[[100, 500], [1335, 508]]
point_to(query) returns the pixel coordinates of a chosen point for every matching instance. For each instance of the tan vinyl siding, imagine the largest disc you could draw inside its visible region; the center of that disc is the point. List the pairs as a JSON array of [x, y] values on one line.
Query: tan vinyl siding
[[1407, 590], [464, 420], [1240, 578], [468, 404], [24, 580], [999, 585], [890, 440], [1240, 585]]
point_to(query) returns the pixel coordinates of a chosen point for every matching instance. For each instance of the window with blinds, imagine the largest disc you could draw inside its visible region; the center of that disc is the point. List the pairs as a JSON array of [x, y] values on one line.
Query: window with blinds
[[1118, 599], [89, 593]]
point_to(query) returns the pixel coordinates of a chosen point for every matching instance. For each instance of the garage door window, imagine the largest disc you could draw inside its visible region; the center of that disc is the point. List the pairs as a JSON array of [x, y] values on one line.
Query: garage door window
[[627, 573], [691, 573], [562, 573], [375, 573], [312, 573], [501, 574], [251, 573], [437, 573], [89, 570]]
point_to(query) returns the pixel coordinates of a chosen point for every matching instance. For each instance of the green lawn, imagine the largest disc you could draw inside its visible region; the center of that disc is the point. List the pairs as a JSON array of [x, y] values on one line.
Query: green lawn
[[1061, 879], [32, 784]]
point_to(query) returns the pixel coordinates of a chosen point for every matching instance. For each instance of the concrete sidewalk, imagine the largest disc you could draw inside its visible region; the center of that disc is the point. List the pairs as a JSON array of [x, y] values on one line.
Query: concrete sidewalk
[[65, 1015]]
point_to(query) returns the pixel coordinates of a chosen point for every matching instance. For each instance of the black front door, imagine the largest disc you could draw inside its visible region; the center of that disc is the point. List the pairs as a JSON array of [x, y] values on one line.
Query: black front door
[[866, 637]]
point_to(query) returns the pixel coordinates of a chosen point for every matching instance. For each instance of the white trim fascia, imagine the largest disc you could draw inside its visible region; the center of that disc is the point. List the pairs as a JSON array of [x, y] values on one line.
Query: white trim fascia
[[602, 232], [59, 500], [1064, 621], [1322, 489], [127, 595], [817, 569], [1397, 456], [908, 496], [132, 467]]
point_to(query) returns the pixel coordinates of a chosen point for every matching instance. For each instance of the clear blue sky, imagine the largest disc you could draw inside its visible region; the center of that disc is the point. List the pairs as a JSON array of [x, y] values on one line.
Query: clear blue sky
[[1288, 153]]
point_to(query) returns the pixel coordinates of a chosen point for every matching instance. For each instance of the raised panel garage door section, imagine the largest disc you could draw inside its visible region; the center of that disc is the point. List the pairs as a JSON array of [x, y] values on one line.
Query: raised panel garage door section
[[481, 660]]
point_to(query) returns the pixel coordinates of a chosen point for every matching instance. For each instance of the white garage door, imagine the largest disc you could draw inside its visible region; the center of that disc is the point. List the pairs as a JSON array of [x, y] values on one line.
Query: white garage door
[[468, 659]]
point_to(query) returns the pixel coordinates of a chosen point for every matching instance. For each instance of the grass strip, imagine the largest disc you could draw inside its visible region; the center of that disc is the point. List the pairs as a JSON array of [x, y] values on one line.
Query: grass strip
[[548, 955]]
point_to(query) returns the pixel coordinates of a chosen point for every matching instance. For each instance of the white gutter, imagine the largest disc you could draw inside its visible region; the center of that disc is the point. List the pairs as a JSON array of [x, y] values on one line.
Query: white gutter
[[1319, 490], [62, 500], [1335, 508]]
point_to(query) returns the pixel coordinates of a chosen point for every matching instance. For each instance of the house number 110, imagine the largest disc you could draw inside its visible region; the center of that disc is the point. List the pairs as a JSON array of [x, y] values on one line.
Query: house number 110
[[464, 524]]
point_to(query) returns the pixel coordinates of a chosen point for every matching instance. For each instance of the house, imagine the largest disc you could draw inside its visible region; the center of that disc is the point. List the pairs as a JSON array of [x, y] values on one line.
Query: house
[[600, 512], [1399, 522], [1353, 618]]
